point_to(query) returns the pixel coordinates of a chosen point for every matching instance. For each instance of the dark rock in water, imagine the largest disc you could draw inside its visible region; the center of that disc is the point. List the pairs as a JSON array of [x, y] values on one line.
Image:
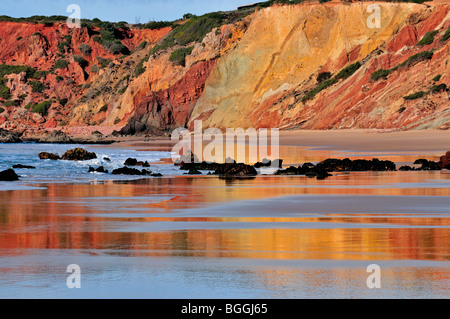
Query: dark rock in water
[[204, 166], [58, 137], [268, 163], [9, 137], [8, 176], [229, 169], [107, 159], [45, 155], [406, 168], [291, 171], [127, 171], [78, 154], [101, 169], [430, 166], [193, 171], [130, 162], [347, 165], [23, 166], [318, 173], [307, 169], [420, 161], [145, 172], [156, 175], [444, 162], [134, 162]]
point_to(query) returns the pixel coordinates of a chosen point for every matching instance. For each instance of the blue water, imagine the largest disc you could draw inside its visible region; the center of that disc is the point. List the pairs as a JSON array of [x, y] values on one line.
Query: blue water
[[74, 171]]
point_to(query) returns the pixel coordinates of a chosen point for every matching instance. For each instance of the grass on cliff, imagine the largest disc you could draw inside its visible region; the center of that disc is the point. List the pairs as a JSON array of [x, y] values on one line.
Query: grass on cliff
[[446, 35], [196, 28], [42, 108], [322, 85], [179, 56], [434, 89], [415, 96], [428, 38], [416, 58]]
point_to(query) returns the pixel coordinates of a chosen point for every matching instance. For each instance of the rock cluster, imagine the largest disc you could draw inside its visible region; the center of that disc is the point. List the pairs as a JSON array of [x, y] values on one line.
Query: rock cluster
[[78, 154], [322, 169], [134, 172], [9, 137], [101, 169], [134, 162]]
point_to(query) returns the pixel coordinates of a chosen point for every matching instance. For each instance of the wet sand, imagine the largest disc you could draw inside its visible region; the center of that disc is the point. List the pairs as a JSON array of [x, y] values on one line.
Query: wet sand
[[202, 237], [420, 141]]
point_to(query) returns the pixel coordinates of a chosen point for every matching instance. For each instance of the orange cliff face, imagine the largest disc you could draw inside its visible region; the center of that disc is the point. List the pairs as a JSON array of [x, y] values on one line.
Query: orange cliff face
[[256, 72], [285, 47]]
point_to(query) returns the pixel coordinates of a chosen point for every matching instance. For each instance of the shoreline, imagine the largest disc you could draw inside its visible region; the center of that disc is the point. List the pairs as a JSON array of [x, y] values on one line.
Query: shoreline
[[425, 142]]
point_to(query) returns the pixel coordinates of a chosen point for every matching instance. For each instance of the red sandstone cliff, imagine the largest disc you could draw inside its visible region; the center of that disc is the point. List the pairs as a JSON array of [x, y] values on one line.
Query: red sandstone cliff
[[253, 72]]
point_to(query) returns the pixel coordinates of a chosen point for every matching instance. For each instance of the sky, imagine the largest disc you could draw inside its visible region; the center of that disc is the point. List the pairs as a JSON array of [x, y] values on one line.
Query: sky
[[132, 11]]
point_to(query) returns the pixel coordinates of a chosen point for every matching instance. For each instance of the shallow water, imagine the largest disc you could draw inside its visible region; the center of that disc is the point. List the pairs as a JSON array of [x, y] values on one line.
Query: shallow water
[[203, 237]]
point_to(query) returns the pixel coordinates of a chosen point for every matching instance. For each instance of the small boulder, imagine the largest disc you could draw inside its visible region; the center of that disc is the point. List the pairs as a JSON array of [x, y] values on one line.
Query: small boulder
[[8, 176], [134, 162], [78, 154], [101, 169], [50, 156]]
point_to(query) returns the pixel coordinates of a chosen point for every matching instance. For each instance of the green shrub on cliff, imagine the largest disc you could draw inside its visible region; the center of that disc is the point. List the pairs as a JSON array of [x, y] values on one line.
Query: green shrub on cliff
[[415, 96], [42, 108], [140, 67], [80, 60], [179, 56], [380, 74], [37, 87], [437, 78], [6, 69], [323, 84], [153, 25], [61, 64], [446, 35], [85, 49], [12, 103], [438, 88], [428, 38], [348, 71], [416, 58], [5, 93], [63, 46]]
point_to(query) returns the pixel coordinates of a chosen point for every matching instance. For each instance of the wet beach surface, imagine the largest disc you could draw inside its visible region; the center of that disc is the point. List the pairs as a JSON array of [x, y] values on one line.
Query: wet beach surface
[[204, 237]]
